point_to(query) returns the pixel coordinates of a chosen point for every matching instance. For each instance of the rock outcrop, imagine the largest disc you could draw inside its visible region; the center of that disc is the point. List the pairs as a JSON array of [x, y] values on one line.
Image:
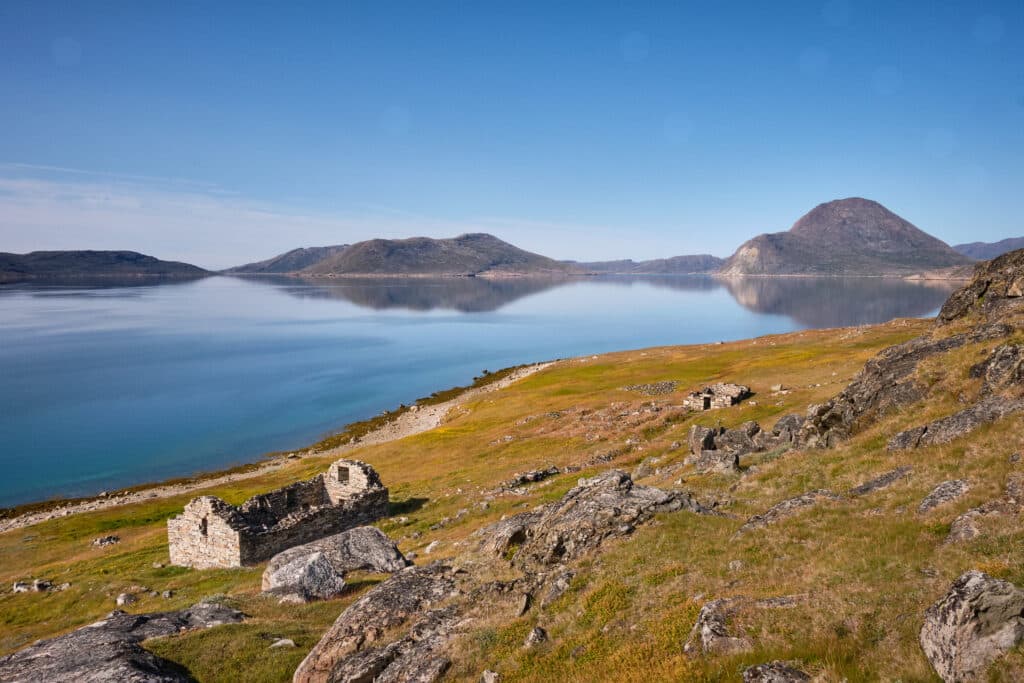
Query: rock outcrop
[[881, 481], [956, 425], [786, 508], [996, 286], [401, 629], [976, 622], [945, 492], [710, 633], [774, 672], [965, 527], [109, 650], [316, 570]]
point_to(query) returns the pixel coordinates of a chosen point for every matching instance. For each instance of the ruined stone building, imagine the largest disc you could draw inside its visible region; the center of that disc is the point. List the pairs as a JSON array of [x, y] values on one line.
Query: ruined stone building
[[212, 533], [719, 395]]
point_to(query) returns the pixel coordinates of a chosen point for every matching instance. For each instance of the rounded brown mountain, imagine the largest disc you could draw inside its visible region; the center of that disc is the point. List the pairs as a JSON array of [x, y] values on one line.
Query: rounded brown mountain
[[852, 236]]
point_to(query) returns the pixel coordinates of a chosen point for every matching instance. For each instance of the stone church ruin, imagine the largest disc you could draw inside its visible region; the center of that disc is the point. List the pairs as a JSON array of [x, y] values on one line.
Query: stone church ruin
[[212, 533]]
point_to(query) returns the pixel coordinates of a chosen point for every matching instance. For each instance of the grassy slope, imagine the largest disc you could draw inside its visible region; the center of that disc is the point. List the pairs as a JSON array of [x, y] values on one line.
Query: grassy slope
[[871, 565]]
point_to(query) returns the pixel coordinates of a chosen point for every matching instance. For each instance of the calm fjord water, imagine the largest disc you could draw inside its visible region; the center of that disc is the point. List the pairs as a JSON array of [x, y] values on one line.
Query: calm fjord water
[[102, 387]]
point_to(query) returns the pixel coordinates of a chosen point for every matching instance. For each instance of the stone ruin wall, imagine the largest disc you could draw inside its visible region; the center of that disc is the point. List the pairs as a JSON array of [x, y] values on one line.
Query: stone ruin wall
[[199, 537], [211, 533]]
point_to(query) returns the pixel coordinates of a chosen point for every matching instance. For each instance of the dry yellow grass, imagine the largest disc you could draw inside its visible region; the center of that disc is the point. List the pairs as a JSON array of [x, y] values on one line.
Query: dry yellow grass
[[869, 565]]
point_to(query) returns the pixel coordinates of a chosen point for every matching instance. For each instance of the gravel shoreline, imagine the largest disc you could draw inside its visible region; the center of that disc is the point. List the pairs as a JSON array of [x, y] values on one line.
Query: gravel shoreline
[[422, 419]]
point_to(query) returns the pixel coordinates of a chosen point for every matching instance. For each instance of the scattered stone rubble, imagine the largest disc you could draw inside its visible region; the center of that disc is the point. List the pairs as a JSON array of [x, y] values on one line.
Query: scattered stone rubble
[[977, 621], [654, 388], [109, 650], [717, 449], [211, 533]]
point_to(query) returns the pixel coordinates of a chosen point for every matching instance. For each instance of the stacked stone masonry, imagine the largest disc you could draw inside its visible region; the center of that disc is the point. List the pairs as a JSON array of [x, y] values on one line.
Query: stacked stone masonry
[[719, 395], [211, 533]]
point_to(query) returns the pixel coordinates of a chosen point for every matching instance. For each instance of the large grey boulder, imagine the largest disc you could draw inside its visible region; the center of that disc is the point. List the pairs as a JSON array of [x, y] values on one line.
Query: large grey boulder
[[316, 570], [723, 462], [976, 622], [109, 650], [304, 578]]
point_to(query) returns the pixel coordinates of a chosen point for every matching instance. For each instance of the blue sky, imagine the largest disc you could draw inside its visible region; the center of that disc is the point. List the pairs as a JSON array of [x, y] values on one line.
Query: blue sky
[[223, 132]]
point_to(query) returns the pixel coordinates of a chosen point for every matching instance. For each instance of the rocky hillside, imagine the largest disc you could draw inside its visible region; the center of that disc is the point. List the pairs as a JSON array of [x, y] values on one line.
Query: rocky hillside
[[845, 237], [984, 251], [41, 265], [471, 254], [675, 265], [854, 517], [289, 262]]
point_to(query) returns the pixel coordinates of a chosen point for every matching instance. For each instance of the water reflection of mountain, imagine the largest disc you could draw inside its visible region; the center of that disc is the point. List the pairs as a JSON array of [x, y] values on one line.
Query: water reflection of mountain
[[465, 294], [810, 302], [838, 302]]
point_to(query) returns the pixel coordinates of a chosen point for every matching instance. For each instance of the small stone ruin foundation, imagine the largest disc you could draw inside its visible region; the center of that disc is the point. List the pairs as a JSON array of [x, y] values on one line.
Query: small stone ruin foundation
[[212, 533], [719, 395]]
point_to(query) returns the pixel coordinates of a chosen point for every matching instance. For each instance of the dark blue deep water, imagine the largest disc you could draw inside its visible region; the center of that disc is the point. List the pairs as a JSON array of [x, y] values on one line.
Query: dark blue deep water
[[112, 385]]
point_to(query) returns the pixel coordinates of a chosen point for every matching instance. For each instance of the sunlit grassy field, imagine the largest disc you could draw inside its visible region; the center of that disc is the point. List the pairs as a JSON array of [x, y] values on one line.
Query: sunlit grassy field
[[868, 566]]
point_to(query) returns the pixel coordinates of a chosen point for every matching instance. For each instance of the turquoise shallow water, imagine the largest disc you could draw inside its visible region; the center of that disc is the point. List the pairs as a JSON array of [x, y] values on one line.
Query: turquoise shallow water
[[112, 385]]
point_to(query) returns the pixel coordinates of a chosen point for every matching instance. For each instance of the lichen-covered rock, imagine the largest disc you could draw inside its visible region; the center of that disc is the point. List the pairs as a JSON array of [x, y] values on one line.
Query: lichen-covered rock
[[1003, 367], [887, 381], [880, 482], [976, 622], [956, 425], [373, 639], [722, 462], [739, 440], [786, 508], [701, 439], [400, 599], [774, 672], [601, 507], [303, 578], [996, 286], [945, 492], [296, 572], [710, 634], [965, 527], [109, 650], [536, 636]]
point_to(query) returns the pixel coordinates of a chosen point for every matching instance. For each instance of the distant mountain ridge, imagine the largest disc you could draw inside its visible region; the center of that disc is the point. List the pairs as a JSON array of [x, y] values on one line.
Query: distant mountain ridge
[[49, 265], [693, 264], [844, 237], [469, 254], [290, 261], [985, 251], [852, 236]]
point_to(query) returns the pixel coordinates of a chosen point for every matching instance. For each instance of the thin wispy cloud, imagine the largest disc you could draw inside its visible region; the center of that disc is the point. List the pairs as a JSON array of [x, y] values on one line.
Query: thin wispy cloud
[[45, 207]]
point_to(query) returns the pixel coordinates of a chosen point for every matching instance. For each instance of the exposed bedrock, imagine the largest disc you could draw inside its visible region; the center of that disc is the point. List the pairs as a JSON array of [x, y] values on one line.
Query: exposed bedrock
[[110, 650], [402, 629]]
